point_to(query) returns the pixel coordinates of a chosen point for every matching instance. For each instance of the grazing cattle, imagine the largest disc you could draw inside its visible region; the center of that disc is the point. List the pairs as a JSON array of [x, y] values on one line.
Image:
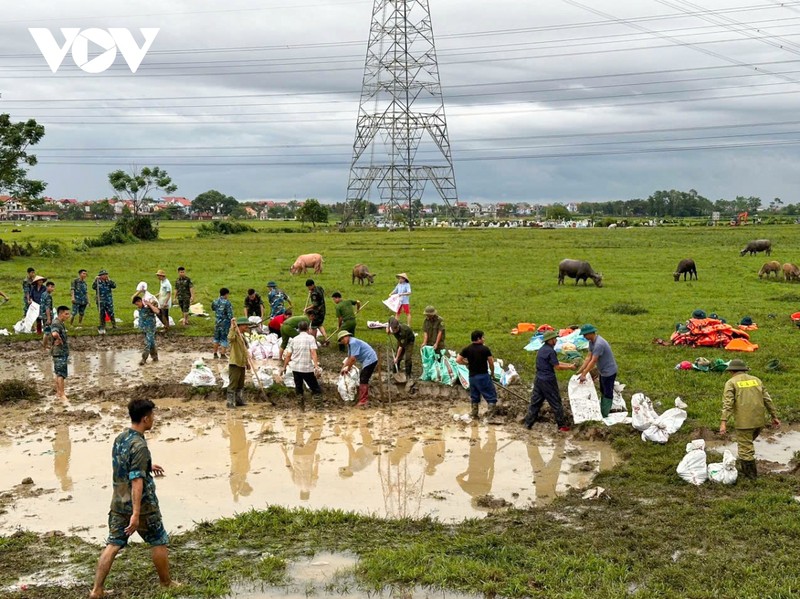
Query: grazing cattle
[[759, 245], [685, 266], [578, 269], [361, 272], [791, 272], [306, 261], [769, 268]]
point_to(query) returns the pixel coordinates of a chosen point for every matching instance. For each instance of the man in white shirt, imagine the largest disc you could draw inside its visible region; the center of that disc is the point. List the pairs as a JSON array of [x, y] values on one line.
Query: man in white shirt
[[301, 355], [164, 298]]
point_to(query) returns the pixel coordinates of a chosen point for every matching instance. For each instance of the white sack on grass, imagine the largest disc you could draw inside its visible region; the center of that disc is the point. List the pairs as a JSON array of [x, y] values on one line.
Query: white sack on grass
[[26, 324], [393, 302], [583, 400], [348, 384], [724, 472], [692, 468], [200, 376], [665, 425], [264, 374], [510, 376], [679, 403], [618, 405], [376, 324], [642, 412], [4, 332], [159, 324], [288, 377]]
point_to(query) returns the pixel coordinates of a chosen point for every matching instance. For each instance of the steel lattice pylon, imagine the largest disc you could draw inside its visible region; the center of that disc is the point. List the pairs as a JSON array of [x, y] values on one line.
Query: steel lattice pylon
[[401, 138]]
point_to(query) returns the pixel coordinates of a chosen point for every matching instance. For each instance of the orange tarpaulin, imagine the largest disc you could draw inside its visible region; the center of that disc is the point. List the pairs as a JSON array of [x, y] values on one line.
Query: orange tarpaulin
[[524, 327], [741, 345]]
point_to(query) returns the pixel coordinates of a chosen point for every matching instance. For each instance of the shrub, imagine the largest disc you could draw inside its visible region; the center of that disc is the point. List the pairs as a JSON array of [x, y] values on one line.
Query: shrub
[[17, 390], [126, 230], [223, 227], [626, 308], [5, 251], [49, 249]]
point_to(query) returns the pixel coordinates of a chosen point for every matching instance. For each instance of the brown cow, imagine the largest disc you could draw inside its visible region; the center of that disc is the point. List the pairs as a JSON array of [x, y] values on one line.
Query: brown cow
[[769, 268], [361, 272], [306, 261], [791, 272]]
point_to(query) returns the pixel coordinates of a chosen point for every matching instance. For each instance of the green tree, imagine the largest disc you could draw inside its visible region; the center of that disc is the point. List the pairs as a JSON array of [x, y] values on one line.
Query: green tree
[[312, 211], [557, 212], [214, 202], [72, 212], [102, 210], [171, 212], [137, 184], [15, 139]]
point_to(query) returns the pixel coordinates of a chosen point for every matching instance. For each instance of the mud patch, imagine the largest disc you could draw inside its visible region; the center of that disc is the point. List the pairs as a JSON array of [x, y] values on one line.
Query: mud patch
[[775, 452]]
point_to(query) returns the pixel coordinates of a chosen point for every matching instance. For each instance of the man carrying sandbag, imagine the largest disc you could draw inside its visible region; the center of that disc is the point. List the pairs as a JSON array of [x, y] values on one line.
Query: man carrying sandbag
[[600, 354], [746, 399]]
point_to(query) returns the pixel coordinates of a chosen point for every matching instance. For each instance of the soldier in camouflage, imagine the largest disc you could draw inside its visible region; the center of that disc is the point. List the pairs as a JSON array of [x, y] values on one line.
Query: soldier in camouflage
[[46, 310], [277, 299], [184, 291], [223, 313], [27, 285], [147, 324], [80, 297], [134, 505], [316, 312], [60, 350], [105, 300]]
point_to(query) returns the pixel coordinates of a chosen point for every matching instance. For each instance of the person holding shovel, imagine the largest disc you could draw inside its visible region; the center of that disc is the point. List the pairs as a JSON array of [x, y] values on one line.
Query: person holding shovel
[[405, 345], [600, 355], [746, 399], [238, 364], [359, 351], [316, 311], [346, 311]]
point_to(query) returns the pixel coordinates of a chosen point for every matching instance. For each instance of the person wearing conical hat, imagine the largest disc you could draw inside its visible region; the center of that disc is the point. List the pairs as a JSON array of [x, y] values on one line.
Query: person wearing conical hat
[[164, 298], [403, 289], [746, 399]]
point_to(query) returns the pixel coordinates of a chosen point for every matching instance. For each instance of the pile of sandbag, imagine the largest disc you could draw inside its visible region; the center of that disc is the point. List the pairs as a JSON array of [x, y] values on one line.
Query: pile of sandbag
[[444, 369], [712, 332], [265, 375], [264, 347], [569, 340], [585, 403], [656, 428], [200, 376], [693, 468]]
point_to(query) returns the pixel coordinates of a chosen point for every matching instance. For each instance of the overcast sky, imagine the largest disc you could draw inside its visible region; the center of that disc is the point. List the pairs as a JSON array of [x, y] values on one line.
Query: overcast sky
[[557, 100]]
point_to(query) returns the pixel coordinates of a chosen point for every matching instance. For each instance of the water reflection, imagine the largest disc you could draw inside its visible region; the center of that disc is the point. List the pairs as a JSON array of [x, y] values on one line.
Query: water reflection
[[240, 449], [477, 479], [358, 459], [62, 450], [304, 462]]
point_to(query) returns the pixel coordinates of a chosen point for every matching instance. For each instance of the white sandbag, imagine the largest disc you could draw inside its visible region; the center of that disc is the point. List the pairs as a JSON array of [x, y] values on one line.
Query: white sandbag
[[27, 324], [725, 471], [679, 403], [583, 400], [377, 324], [200, 376], [643, 414], [348, 384], [618, 403], [393, 302], [288, 378], [264, 374], [4, 332], [664, 426], [693, 468], [510, 376]]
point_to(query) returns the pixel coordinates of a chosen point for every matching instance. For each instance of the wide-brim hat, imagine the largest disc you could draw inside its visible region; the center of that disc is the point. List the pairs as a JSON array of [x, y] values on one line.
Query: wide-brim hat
[[243, 320], [161, 273], [39, 278], [102, 272], [343, 334], [402, 275], [272, 284], [737, 365], [588, 329], [549, 335], [430, 311]]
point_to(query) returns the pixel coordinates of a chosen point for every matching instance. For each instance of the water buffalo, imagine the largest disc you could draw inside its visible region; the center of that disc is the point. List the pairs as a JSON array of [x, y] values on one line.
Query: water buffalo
[[758, 245], [685, 266], [791, 272], [361, 272], [578, 269], [305, 262], [769, 268]]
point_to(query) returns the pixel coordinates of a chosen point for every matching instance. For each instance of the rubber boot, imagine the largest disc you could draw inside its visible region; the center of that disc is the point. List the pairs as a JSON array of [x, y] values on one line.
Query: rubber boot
[[143, 361], [301, 402], [749, 469], [605, 406], [408, 369], [363, 396], [240, 398], [154, 355], [474, 411], [231, 396], [492, 412]]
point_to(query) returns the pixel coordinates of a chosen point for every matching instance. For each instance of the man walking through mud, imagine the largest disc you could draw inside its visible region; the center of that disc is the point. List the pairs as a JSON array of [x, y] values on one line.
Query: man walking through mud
[[134, 505]]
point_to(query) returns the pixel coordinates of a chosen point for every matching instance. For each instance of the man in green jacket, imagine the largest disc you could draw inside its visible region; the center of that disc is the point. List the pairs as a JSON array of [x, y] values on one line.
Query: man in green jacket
[[746, 399], [346, 311], [289, 329], [237, 361]]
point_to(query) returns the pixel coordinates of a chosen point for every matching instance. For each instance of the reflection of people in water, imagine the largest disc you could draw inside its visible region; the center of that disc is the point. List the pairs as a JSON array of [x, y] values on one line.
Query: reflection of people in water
[[240, 457], [358, 459], [62, 448], [477, 480], [433, 451], [304, 462], [546, 475]]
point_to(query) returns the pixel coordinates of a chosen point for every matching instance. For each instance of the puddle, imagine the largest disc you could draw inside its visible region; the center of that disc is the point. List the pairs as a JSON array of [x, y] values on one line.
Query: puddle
[[220, 464], [779, 448], [330, 576]]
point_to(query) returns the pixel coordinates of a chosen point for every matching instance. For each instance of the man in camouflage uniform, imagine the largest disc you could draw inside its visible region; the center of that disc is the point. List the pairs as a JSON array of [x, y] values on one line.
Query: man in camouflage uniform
[[184, 291], [60, 350], [80, 297], [316, 311], [746, 399], [134, 505], [147, 324], [46, 310], [105, 300], [27, 285], [277, 299], [223, 313]]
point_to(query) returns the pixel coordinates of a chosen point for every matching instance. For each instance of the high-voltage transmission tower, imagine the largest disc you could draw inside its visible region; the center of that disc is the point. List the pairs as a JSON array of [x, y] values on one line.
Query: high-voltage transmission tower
[[401, 138]]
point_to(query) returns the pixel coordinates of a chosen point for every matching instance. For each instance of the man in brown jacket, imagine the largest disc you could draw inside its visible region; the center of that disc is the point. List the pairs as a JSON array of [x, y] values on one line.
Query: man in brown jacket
[[237, 361], [746, 399]]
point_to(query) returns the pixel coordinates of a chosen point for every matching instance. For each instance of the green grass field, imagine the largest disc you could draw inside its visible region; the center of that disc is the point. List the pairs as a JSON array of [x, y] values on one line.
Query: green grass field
[[655, 537]]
